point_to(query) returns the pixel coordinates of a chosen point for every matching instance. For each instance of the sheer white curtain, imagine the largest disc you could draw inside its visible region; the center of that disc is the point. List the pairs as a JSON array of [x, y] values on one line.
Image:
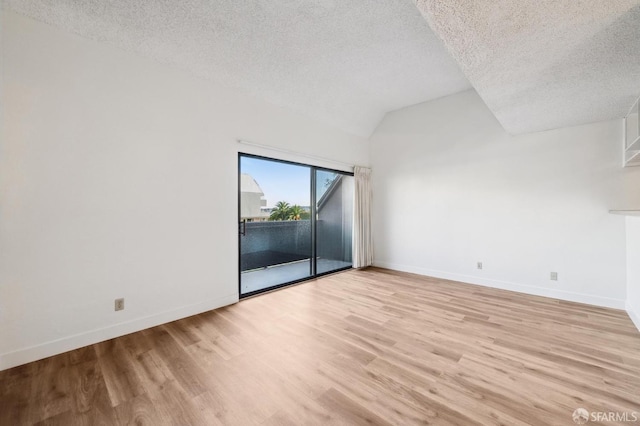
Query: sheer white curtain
[[362, 239]]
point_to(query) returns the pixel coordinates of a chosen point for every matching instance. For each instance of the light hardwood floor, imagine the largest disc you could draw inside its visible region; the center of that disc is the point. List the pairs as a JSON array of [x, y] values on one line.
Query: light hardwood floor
[[360, 347]]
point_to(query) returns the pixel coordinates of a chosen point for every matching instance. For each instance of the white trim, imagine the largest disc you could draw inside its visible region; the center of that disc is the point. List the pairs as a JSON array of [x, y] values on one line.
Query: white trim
[[635, 316], [626, 212], [589, 299], [55, 347]]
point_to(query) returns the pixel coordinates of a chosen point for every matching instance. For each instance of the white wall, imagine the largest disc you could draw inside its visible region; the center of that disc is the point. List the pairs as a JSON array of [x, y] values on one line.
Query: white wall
[[633, 269], [118, 178], [452, 188]]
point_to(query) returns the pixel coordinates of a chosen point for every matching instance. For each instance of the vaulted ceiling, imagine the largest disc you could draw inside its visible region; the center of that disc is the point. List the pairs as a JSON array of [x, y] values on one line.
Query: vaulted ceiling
[[343, 62], [537, 64], [544, 64]]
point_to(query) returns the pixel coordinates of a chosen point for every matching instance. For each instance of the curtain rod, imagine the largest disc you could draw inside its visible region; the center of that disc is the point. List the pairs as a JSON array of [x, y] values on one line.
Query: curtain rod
[[287, 151]]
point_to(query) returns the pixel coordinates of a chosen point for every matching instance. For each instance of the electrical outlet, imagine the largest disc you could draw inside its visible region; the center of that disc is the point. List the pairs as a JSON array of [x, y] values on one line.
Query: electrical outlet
[[554, 276], [479, 265], [119, 305]]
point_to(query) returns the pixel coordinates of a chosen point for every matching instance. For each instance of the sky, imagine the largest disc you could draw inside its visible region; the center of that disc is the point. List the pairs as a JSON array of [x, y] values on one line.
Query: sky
[[279, 181]]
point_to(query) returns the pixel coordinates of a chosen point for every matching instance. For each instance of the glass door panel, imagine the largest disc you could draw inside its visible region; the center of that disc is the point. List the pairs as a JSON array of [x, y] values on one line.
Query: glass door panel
[[275, 227], [334, 213]]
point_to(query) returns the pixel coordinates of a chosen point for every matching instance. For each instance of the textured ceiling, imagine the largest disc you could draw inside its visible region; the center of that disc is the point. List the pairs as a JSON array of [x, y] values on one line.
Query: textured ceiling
[[343, 62], [543, 64]]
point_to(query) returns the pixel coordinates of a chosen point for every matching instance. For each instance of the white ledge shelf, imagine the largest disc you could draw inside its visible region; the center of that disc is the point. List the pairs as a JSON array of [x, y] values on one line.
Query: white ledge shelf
[[631, 154], [626, 212], [632, 158], [634, 146]]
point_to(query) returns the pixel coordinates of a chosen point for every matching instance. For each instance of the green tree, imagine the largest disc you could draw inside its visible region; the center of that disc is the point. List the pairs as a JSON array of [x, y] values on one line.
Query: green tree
[[295, 212], [280, 211]]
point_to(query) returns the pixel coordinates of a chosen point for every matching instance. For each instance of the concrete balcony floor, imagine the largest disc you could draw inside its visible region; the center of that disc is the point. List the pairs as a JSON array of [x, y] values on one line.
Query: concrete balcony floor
[[260, 279]]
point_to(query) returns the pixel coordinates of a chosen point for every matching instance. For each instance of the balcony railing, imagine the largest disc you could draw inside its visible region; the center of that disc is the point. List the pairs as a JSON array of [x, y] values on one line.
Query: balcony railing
[[273, 243]]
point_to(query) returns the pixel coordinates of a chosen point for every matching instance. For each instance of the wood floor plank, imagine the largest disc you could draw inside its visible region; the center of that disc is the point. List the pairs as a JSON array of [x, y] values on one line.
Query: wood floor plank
[[365, 347], [139, 411], [352, 413]]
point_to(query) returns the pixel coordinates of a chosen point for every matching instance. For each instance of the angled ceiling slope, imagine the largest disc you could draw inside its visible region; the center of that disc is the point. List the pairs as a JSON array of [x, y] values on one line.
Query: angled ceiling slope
[[544, 64], [343, 62]]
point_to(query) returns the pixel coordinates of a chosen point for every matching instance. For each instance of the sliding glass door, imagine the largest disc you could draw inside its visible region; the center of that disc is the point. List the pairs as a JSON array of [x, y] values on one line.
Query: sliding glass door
[[294, 222]]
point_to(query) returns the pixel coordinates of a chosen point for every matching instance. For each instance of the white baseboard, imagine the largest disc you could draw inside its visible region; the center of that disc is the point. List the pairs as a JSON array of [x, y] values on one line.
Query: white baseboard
[[505, 285], [55, 347], [633, 314]]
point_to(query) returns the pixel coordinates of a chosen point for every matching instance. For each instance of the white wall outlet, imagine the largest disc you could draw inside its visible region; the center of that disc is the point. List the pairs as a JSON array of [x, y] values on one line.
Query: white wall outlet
[[554, 276], [119, 304], [479, 265]]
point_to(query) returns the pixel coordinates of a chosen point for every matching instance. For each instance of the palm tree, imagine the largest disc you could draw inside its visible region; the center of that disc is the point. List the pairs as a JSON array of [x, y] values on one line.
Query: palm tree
[[295, 212], [280, 211]]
